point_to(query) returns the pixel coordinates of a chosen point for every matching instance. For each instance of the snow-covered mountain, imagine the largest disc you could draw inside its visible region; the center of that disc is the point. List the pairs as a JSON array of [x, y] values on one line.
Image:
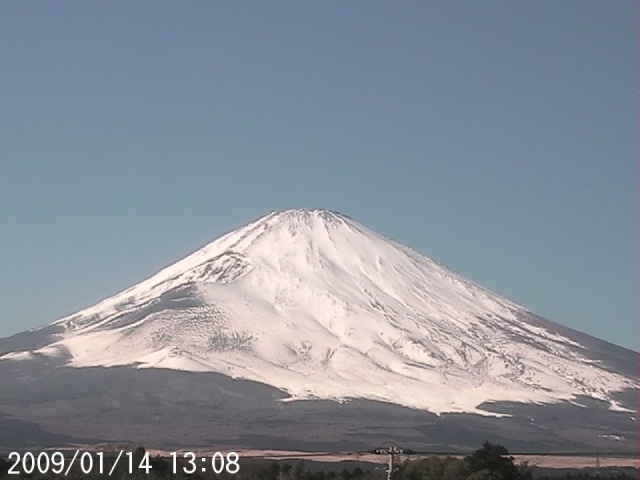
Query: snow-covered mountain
[[317, 305]]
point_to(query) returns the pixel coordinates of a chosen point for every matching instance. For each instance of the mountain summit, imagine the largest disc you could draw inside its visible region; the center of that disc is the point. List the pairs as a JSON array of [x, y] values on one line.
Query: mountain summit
[[317, 305]]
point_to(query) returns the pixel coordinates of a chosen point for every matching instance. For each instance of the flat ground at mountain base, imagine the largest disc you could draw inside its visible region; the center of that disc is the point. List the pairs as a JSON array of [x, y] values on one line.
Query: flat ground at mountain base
[[540, 461]]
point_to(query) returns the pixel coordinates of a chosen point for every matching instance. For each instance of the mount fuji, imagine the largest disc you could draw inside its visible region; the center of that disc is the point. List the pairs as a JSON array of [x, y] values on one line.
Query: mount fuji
[[308, 314]]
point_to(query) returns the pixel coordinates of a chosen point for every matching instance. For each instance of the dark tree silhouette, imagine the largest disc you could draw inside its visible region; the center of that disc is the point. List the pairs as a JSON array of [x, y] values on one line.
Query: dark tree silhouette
[[273, 472], [491, 462], [4, 467], [286, 470]]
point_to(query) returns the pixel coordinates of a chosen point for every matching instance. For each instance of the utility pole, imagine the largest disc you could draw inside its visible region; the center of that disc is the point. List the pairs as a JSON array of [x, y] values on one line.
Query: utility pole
[[392, 450]]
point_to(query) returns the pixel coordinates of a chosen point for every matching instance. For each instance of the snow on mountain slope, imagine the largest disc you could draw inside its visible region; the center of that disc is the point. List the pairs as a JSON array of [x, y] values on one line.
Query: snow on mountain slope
[[315, 304]]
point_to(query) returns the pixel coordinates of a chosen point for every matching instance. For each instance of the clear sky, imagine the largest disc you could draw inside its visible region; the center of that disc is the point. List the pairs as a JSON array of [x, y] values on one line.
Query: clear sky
[[498, 138]]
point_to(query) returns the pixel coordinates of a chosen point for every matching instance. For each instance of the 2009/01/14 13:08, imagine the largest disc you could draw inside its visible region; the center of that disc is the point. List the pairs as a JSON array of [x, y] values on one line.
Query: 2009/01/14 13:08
[[89, 462]]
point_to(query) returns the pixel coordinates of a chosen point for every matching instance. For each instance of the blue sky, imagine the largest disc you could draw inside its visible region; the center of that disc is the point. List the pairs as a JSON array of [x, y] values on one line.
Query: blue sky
[[499, 138]]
